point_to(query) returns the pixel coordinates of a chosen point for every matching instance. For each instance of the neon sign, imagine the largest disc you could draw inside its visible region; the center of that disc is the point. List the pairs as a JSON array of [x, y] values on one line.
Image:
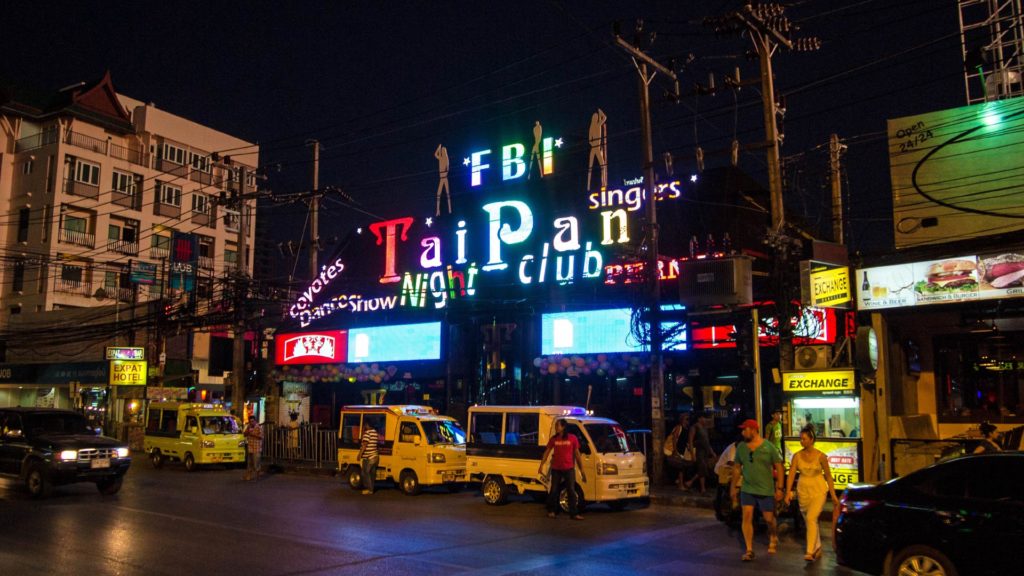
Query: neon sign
[[632, 198], [513, 161], [328, 347], [305, 301]]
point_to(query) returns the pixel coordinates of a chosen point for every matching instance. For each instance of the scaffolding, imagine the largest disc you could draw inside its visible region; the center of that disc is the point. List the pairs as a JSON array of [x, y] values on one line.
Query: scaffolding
[[992, 42]]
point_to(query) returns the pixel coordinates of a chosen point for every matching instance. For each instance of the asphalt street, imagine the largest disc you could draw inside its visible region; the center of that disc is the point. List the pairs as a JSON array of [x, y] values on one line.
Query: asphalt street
[[177, 523]]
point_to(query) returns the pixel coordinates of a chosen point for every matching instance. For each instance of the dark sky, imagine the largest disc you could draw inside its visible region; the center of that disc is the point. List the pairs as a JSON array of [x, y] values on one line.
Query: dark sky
[[381, 83]]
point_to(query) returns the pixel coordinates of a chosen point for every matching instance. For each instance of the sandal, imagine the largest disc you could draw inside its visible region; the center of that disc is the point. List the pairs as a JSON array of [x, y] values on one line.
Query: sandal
[[817, 553], [773, 545], [748, 556], [808, 557]]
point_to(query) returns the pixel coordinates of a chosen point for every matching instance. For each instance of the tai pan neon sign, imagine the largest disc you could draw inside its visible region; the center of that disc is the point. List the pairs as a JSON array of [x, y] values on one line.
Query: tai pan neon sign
[[515, 163]]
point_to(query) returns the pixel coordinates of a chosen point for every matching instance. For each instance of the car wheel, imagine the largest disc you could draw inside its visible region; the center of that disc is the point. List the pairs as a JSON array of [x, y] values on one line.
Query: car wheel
[[110, 486], [494, 491], [563, 500], [355, 478], [410, 483], [190, 462], [37, 481], [156, 458], [920, 561]]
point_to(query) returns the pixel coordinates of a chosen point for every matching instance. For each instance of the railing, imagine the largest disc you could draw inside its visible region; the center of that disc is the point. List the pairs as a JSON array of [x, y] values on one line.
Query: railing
[[123, 294], [201, 177], [85, 141], [169, 167], [81, 188], [201, 218], [77, 238], [78, 287], [908, 454], [206, 262], [129, 247], [168, 210], [308, 445], [123, 199], [130, 154], [36, 141], [159, 251]]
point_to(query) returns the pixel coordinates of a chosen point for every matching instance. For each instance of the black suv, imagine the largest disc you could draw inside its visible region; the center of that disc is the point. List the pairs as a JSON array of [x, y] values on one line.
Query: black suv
[[46, 447]]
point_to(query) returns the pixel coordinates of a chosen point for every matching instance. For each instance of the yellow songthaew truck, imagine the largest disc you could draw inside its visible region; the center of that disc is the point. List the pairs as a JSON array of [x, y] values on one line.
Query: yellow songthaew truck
[[417, 446], [192, 433]]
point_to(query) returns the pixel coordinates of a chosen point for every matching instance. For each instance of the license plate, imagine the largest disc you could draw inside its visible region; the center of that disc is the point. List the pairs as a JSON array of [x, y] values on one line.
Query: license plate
[[100, 463], [632, 491], [215, 458]]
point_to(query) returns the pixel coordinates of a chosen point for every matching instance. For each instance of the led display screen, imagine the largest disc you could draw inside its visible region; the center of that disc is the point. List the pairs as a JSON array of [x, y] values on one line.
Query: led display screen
[[395, 343], [594, 332]]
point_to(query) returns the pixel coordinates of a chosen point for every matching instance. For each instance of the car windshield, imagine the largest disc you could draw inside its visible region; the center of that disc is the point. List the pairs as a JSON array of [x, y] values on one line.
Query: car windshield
[[55, 423], [443, 432], [219, 425], [608, 438]]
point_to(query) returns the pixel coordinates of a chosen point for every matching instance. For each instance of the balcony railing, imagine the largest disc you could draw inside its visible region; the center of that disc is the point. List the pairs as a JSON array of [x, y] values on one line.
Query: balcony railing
[[122, 294], [36, 141], [128, 200], [206, 262], [169, 167], [201, 218], [168, 210], [128, 247], [77, 238], [130, 154], [69, 286], [201, 177], [81, 189], [87, 142], [159, 252]]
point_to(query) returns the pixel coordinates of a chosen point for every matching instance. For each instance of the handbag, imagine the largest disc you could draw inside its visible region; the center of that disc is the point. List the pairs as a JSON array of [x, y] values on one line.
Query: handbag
[[689, 455], [667, 449]]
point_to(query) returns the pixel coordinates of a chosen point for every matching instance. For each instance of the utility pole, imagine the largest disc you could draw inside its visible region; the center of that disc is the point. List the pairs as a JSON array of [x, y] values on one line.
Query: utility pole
[[643, 63], [314, 212], [835, 152], [241, 288]]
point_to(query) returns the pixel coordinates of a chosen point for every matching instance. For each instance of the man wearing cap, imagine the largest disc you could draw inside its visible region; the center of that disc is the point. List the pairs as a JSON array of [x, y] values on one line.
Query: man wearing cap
[[761, 469]]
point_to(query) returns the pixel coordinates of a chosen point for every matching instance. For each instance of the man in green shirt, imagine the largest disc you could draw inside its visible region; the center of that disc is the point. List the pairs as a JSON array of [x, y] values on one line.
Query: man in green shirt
[[773, 431], [763, 477]]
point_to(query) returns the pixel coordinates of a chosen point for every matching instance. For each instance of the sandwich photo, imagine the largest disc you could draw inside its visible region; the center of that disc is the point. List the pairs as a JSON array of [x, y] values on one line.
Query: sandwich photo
[[948, 276], [1003, 271]]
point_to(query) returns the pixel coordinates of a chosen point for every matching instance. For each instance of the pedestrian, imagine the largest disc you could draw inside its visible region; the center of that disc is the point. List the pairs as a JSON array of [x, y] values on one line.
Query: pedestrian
[[564, 449], [725, 468], [815, 482], [253, 447], [988, 443], [293, 435], [368, 456], [700, 444], [761, 470], [676, 459], [773, 430]]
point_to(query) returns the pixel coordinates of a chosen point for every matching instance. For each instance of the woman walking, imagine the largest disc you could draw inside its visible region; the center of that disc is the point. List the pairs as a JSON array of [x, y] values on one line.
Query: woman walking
[[815, 482]]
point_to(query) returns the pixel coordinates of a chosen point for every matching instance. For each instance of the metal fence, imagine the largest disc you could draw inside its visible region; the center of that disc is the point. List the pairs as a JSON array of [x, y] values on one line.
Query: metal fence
[[309, 446]]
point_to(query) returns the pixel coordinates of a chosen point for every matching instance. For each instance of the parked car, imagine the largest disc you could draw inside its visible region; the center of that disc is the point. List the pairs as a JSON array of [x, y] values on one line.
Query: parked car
[[959, 517], [46, 447]]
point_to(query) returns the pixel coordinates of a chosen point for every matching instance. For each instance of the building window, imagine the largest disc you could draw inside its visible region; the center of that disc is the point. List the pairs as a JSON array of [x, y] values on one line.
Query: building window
[[174, 154], [206, 246], [230, 257], [87, 173], [18, 279], [125, 183], [161, 243], [27, 166], [15, 310], [23, 221], [71, 274], [170, 195], [200, 203], [980, 377], [75, 224], [199, 162]]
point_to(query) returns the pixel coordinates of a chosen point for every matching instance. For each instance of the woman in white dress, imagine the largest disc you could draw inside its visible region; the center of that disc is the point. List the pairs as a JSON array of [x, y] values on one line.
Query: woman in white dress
[[815, 483]]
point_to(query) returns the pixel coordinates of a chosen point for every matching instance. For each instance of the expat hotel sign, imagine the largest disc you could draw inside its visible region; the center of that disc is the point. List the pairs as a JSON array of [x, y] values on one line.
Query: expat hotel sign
[[829, 381], [128, 372]]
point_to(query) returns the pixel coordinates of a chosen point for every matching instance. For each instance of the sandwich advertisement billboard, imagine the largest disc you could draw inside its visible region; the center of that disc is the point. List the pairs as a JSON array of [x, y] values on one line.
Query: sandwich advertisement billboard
[[975, 277]]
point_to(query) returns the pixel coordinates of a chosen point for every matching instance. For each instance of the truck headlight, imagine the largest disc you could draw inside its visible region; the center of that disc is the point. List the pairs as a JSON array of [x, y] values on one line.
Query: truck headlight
[[122, 452], [436, 458], [68, 455], [608, 469], [208, 444]]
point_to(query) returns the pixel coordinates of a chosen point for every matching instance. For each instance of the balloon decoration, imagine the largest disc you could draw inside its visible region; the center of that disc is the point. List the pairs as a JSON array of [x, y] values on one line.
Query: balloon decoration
[[336, 373], [624, 365]]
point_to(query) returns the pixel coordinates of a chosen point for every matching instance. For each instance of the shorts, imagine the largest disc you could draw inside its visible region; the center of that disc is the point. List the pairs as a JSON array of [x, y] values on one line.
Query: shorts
[[765, 503]]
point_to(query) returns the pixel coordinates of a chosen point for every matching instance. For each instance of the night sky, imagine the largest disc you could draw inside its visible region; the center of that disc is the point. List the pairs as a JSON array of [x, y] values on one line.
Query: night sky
[[380, 84]]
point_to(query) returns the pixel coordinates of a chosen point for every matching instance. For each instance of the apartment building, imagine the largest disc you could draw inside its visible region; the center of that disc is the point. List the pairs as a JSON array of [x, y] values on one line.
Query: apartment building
[[93, 182]]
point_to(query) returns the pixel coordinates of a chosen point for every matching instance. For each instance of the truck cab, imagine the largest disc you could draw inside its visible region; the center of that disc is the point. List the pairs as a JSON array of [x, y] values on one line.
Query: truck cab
[[192, 433], [417, 446], [506, 444]]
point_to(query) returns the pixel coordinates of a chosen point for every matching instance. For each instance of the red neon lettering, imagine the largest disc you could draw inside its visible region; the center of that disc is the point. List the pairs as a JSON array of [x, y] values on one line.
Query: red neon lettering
[[390, 246]]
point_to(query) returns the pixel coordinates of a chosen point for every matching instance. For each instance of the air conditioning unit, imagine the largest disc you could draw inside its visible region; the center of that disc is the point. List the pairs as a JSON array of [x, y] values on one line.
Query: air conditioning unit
[[719, 282], [812, 357]]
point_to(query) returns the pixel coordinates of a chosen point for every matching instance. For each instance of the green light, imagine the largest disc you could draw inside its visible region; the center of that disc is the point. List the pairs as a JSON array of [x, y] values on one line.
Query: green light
[[990, 116]]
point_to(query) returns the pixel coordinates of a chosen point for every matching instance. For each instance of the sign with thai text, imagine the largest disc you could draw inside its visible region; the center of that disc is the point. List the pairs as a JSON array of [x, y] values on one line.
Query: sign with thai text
[[125, 353]]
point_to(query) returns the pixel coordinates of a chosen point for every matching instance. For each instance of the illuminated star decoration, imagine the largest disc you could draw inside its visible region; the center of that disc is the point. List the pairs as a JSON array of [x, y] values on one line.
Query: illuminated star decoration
[[693, 178], [359, 230], [558, 142], [465, 161], [429, 222]]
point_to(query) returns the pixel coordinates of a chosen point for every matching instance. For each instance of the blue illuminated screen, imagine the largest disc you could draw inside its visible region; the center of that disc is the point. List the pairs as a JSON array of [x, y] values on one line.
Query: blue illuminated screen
[[395, 343], [596, 331]]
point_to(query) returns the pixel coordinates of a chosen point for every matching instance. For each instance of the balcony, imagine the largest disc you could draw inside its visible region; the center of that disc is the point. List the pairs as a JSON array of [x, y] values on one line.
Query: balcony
[[126, 200], [122, 293], [86, 142], [36, 141], [81, 189], [129, 247], [169, 167], [129, 154], [204, 178], [157, 252], [206, 262], [71, 286], [77, 238], [167, 210], [201, 218]]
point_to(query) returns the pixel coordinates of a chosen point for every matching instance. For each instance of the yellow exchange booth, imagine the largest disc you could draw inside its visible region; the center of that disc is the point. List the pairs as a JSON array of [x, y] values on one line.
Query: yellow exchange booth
[[829, 401]]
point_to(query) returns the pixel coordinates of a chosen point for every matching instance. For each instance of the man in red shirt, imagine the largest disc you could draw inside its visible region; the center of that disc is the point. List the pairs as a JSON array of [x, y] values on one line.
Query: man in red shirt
[[566, 456]]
